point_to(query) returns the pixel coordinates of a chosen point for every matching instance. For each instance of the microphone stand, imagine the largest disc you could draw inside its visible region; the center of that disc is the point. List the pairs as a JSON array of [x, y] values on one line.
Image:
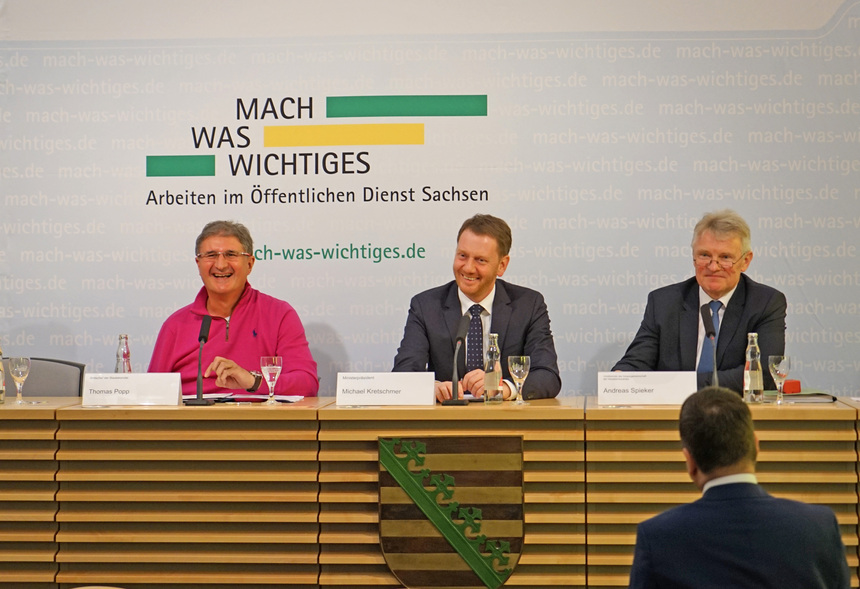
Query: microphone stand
[[455, 397], [461, 337], [714, 350], [204, 337], [711, 334]]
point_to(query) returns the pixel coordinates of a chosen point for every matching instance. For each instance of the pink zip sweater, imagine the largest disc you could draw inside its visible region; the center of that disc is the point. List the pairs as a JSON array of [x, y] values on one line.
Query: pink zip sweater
[[260, 325]]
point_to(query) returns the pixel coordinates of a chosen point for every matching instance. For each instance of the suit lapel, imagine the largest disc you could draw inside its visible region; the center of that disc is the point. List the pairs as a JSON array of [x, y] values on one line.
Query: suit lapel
[[690, 327], [452, 315], [502, 312], [732, 320]]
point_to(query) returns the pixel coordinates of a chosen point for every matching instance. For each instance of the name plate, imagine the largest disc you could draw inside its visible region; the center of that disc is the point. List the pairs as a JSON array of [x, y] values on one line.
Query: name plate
[[385, 388], [644, 388], [132, 389]]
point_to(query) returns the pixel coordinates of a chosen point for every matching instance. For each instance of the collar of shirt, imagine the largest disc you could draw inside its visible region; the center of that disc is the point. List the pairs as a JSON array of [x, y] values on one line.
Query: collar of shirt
[[704, 299], [744, 477], [466, 302], [487, 304]]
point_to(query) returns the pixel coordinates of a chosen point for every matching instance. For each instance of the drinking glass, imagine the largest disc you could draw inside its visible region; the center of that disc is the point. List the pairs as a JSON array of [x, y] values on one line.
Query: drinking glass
[[779, 367], [271, 369], [519, 369], [20, 368]]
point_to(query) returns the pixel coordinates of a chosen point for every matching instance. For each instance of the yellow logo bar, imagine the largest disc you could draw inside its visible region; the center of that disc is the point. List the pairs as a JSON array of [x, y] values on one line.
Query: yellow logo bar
[[307, 135]]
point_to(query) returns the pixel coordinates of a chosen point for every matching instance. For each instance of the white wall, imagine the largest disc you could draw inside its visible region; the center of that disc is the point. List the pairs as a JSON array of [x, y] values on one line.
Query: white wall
[[611, 128]]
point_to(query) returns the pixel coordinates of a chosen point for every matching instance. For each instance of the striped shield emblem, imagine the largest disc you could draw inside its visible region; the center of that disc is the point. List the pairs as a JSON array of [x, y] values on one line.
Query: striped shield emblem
[[451, 509]]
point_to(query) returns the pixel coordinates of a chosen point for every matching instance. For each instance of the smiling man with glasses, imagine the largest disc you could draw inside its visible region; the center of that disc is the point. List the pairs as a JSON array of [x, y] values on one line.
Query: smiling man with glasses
[[671, 336], [246, 324]]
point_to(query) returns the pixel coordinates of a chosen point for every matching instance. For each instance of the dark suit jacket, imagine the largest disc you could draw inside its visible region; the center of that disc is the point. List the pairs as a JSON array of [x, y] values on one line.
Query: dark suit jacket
[[519, 317], [669, 332], [739, 536]]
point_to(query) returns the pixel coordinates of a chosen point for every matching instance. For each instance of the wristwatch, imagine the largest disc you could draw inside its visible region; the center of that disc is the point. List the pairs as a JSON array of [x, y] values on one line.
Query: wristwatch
[[258, 379]]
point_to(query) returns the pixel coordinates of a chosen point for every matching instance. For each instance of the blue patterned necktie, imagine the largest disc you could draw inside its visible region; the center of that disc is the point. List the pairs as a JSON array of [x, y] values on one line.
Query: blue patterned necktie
[[475, 340], [706, 360]]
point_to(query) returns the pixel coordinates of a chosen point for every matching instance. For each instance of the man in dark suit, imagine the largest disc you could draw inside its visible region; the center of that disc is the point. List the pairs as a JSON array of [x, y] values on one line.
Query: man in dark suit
[[736, 535], [518, 315], [672, 335]]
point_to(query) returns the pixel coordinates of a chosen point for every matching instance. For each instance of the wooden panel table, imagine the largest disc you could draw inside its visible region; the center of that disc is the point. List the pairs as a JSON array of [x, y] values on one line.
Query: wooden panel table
[[634, 470], [224, 495], [253, 496], [553, 456], [28, 504]]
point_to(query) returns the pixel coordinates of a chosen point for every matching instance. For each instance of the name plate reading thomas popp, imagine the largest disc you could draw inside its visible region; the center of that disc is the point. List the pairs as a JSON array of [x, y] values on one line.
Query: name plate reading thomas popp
[[385, 388], [110, 388], [644, 388]]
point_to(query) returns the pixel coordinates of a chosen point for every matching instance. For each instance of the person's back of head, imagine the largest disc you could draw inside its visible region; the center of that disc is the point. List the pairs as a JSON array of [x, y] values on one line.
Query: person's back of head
[[716, 428], [735, 535]]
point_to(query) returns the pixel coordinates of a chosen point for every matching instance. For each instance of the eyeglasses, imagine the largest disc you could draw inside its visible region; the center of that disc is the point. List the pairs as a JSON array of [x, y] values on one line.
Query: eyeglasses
[[724, 262], [229, 255]]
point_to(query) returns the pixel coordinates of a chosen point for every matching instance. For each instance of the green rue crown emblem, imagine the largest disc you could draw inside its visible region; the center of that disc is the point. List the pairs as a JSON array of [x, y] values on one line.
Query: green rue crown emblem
[[445, 516]]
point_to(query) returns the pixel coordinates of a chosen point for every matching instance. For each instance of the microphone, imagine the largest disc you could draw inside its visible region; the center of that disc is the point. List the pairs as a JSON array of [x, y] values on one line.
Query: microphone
[[711, 334], [462, 329], [204, 329], [202, 338]]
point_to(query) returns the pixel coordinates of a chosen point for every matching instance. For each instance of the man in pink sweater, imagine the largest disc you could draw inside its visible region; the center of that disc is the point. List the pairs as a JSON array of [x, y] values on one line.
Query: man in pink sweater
[[246, 324]]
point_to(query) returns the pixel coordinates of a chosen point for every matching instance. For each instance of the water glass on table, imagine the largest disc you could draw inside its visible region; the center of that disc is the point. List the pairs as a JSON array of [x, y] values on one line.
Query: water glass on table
[[779, 367], [518, 366], [19, 368], [270, 366]]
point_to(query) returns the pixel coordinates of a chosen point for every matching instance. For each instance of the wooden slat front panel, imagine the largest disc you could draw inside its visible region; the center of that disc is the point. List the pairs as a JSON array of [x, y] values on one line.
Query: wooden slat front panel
[[809, 453], [201, 497], [553, 458], [635, 470], [28, 490]]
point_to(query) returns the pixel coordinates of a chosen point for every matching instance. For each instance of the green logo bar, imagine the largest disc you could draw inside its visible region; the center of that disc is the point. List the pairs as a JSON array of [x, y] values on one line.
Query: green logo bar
[[180, 165], [464, 105]]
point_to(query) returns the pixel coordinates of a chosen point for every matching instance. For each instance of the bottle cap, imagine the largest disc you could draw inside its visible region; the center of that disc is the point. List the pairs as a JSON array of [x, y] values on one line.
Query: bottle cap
[[791, 386]]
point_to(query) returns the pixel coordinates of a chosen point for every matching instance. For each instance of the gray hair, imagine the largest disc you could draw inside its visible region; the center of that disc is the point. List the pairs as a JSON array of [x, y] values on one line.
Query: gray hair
[[723, 224], [226, 229]]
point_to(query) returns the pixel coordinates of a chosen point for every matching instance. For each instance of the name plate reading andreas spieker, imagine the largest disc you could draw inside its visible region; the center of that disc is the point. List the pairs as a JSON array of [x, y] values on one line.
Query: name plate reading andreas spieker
[[385, 388], [644, 388], [160, 388]]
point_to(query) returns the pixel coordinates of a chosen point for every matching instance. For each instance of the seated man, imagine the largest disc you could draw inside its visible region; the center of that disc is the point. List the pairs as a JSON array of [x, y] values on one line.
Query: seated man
[[672, 336], [246, 324], [736, 535], [518, 315]]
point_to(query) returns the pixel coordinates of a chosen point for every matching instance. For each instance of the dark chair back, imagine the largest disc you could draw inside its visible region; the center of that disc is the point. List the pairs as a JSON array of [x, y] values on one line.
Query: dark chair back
[[49, 377]]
